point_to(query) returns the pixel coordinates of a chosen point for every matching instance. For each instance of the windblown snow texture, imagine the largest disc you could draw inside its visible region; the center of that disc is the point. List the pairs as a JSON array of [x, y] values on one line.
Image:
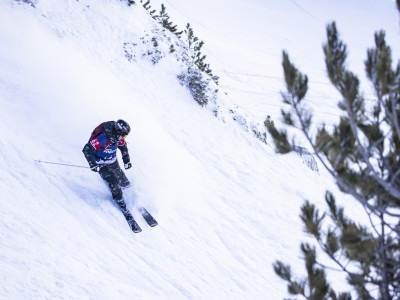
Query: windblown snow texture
[[226, 204]]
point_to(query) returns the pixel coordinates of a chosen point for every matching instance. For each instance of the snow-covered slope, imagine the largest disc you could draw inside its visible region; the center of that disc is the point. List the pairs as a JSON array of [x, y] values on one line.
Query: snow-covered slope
[[227, 205]]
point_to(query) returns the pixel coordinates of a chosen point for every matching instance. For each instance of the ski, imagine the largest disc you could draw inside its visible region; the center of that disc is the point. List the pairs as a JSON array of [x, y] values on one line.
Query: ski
[[132, 223], [147, 217], [134, 226]]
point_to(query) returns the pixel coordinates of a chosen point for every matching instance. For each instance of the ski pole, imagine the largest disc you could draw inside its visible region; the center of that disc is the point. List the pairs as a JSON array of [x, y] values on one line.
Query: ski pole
[[60, 164]]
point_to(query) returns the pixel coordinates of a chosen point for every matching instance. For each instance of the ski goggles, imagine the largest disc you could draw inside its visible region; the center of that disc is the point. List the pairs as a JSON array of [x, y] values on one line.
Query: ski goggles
[[122, 136]]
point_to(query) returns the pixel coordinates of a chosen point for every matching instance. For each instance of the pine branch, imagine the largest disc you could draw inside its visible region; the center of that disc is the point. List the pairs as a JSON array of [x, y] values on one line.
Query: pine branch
[[362, 156], [394, 118], [365, 155], [370, 221], [335, 52], [300, 89], [382, 249]]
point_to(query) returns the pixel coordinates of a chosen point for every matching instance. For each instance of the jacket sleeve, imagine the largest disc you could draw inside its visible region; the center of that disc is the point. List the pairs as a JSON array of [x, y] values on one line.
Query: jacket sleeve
[[124, 151], [88, 151]]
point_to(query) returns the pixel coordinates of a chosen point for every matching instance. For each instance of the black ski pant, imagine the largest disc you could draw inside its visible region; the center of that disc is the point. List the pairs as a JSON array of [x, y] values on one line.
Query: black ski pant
[[115, 178]]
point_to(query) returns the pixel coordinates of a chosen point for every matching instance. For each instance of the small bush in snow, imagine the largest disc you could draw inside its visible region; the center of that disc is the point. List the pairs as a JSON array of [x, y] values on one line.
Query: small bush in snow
[[129, 50], [198, 86]]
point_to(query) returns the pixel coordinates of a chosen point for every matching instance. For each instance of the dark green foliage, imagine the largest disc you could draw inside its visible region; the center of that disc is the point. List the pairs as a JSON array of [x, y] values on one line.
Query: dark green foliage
[[378, 65], [335, 55], [312, 287], [311, 219], [197, 85], [147, 6], [280, 137], [269, 122], [195, 58], [163, 19], [296, 82], [193, 78], [155, 42], [198, 75], [362, 153], [297, 87]]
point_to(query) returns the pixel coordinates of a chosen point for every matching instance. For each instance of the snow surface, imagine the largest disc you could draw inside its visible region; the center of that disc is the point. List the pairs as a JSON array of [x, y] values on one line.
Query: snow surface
[[226, 204]]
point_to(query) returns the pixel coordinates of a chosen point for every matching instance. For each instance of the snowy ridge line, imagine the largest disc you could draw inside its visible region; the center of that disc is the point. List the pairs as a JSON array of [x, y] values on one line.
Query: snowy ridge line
[[272, 77]]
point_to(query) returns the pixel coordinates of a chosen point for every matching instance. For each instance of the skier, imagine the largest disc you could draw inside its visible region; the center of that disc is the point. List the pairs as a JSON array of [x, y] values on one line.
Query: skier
[[101, 154]]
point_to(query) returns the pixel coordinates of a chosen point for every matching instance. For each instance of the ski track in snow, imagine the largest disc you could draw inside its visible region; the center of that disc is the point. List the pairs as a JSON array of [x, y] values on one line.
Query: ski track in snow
[[226, 204]]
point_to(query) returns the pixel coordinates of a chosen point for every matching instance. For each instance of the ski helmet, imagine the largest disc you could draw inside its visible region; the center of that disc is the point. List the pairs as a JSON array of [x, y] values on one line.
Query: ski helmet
[[122, 128]]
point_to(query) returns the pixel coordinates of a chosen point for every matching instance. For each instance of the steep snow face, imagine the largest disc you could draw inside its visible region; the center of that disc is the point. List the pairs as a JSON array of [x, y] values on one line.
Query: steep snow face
[[227, 205]]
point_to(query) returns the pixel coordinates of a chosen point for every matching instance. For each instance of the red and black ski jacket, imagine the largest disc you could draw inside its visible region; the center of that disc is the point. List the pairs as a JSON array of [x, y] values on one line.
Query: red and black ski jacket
[[103, 144]]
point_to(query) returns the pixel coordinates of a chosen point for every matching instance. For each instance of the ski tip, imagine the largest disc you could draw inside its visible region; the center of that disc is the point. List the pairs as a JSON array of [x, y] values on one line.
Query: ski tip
[[136, 229]]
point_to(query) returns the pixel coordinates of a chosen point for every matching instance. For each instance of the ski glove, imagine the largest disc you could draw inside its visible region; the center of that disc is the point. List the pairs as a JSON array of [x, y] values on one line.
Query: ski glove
[[95, 169], [128, 166]]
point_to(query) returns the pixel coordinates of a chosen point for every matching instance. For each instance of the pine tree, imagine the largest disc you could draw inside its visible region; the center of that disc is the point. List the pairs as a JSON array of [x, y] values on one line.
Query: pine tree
[[198, 75], [362, 153], [193, 46], [163, 19], [195, 58], [147, 6], [314, 286]]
